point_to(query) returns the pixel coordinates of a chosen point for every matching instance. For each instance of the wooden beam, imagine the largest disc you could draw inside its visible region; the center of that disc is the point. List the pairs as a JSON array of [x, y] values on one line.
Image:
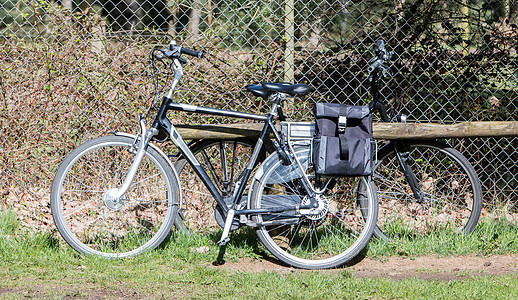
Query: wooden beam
[[380, 130], [437, 131], [224, 131]]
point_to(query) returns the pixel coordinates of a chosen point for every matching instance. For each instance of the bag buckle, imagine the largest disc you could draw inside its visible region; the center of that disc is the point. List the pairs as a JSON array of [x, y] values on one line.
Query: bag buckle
[[342, 123]]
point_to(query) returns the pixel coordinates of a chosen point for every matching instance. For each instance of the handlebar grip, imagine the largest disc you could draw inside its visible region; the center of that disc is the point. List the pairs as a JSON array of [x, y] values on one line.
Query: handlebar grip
[[380, 44], [190, 52], [375, 66]]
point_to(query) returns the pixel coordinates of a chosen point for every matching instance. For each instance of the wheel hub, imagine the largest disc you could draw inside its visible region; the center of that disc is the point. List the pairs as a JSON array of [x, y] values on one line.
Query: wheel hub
[[318, 212], [111, 201]]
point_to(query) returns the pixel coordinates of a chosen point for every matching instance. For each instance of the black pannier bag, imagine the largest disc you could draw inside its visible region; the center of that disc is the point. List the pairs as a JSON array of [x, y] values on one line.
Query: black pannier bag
[[343, 143]]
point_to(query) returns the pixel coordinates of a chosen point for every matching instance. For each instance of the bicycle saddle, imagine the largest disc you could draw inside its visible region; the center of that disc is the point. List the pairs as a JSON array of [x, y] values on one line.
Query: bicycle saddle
[[266, 89], [290, 89], [258, 91]]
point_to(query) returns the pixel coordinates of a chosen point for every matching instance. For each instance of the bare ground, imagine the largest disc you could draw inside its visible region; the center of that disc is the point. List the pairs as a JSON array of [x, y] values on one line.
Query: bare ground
[[396, 268], [422, 267]]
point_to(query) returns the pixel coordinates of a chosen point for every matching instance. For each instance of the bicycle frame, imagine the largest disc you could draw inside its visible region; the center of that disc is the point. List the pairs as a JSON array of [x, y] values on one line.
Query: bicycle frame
[[162, 127]]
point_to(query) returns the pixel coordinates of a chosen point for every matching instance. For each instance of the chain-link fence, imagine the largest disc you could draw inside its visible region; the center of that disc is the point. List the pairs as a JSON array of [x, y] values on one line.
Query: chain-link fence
[[75, 69]]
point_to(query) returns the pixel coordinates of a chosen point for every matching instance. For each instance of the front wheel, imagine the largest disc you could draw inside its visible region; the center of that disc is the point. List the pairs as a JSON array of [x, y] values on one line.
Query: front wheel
[[95, 224], [451, 192], [324, 237]]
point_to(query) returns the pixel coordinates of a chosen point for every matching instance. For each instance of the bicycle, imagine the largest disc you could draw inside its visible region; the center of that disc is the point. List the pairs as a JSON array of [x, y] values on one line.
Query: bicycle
[[118, 195], [421, 184]]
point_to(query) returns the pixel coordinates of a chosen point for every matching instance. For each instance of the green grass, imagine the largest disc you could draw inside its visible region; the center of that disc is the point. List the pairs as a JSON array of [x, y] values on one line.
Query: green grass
[[490, 236], [41, 265]]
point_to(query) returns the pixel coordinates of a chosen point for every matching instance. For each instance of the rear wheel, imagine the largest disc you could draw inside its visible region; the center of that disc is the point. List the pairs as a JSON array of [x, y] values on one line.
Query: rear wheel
[[324, 237]]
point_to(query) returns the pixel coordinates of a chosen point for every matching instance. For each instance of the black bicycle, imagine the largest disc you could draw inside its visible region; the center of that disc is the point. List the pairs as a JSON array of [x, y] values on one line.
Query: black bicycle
[[422, 184], [119, 195]]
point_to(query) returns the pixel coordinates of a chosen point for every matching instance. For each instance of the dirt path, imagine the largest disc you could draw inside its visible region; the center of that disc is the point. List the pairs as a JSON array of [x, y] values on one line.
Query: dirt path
[[423, 267]]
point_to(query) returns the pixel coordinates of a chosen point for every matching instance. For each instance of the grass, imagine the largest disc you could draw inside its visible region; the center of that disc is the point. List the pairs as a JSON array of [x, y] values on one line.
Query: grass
[[41, 265], [490, 236]]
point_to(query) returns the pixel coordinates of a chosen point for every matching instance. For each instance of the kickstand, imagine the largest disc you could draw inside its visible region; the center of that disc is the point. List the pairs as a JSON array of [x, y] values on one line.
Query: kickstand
[[220, 259], [224, 238]]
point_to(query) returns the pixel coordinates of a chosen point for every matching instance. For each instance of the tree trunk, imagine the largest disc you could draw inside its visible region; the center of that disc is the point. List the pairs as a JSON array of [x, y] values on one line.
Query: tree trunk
[[289, 52], [67, 4], [133, 21], [507, 12], [194, 21], [316, 31], [173, 7], [465, 25]]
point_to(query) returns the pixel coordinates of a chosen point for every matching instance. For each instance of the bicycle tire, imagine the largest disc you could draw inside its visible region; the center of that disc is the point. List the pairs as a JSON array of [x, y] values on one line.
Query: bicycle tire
[[94, 225], [319, 239], [450, 186], [198, 210]]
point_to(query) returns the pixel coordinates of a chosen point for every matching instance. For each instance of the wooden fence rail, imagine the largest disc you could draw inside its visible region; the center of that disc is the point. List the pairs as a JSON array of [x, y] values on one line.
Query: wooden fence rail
[[380, 130]]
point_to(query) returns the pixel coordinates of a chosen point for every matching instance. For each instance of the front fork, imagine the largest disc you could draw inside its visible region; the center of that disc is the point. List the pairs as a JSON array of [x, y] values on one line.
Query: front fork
[[403, 154], [402, 151], [113, 198]]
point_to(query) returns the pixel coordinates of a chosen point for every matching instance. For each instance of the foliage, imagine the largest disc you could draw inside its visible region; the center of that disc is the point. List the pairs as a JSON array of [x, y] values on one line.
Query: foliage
[[63, 96], [66, 93], [10, 14], [492, 236]]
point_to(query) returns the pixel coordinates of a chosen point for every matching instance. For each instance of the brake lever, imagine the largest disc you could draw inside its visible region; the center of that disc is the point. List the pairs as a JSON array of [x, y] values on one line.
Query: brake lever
[[158, 54], [181, 59], [375, 65]]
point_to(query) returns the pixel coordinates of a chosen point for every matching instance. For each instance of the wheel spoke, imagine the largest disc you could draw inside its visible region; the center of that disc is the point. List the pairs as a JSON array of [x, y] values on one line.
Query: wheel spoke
[[198, 204], [211, 169], [451, 191]]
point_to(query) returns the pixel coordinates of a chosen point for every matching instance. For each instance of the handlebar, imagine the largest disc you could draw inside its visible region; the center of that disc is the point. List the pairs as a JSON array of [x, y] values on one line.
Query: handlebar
[[381, 52], [174, 52], [190, 52], [382, 56], [379, 65]]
